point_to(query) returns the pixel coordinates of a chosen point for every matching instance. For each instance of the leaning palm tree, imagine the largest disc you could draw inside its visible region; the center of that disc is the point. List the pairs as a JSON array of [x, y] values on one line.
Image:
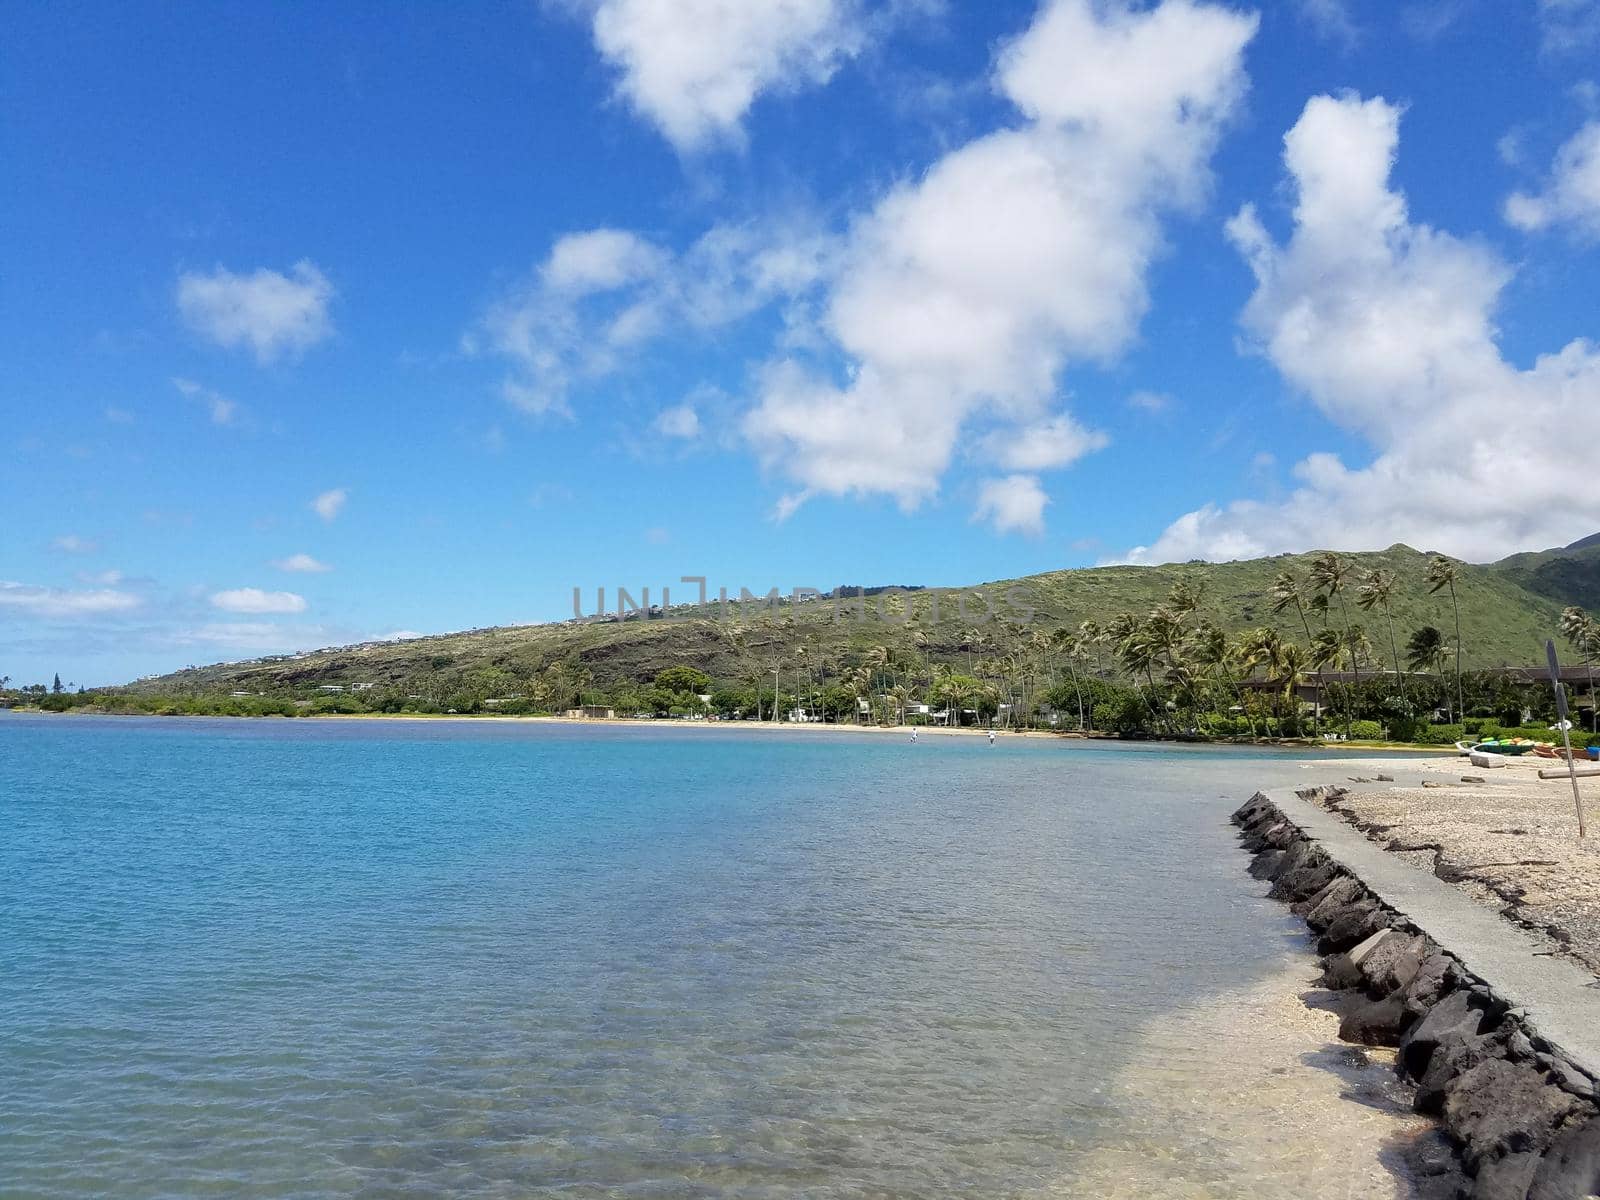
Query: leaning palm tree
[[1327, 650], [1377, 591], [1579, 628], [1329, 573], [1445, 573], [1291, 675], [1286, 594], [1426, 650]]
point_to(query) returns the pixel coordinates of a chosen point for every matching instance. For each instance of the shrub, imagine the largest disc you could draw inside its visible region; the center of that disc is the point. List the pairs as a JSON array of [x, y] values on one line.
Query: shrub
[[1442, 735], [1366, 731]]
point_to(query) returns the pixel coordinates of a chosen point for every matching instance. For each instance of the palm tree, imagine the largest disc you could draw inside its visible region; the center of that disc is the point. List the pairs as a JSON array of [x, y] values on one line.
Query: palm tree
[[1584, 633], [1327, 649], [1329, 572], [1286, 594], [1426, 650], [1291, 674], [1377, 591], [1444, 573]]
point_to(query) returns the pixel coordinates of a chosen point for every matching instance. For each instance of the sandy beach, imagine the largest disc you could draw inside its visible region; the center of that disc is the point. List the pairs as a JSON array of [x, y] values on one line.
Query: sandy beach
[[1503, 836]]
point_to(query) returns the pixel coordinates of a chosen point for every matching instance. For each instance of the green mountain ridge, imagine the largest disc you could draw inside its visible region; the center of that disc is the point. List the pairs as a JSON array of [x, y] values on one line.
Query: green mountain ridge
[[1508, 609]]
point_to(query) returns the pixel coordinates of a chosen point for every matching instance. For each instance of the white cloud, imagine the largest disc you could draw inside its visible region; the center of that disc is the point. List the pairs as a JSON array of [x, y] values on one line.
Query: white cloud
[[330, 503], [270, 313], [222, 410], [1387, 325], [1056, 442], [693, 68], [1572, 195], [60, 603], [679, 421], [254, 600], [1012, 504], [602, 297], [302, 564], [72, 543], [1569, 25], [1331, 19], [601, 260], [970, 289]]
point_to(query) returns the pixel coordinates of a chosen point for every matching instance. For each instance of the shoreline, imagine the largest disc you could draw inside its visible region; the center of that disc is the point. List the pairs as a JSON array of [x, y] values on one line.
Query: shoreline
[[1494, 1037], [1366, 749]]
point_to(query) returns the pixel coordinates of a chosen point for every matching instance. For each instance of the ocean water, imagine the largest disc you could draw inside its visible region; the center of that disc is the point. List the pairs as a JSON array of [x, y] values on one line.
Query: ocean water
[[481, 959]]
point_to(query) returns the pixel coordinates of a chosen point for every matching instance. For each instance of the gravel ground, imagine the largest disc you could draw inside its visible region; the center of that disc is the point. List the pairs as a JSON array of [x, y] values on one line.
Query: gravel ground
[[1504, 836]]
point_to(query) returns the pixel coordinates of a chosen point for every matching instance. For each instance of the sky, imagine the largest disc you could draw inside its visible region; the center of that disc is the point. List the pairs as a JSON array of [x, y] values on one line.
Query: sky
[[328, 323]]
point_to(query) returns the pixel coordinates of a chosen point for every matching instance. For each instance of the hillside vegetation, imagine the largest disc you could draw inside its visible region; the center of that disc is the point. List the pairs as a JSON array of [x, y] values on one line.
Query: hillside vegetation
[[1507, 611]]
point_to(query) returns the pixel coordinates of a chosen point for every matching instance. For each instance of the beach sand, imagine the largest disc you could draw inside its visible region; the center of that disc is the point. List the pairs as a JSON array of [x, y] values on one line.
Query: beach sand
[[1503, 836]]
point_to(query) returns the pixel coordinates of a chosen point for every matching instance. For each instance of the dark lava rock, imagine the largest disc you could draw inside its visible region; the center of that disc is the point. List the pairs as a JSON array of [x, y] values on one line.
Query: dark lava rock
[[1453, 1020], [1395, 955], [1265, 864], [1500, 1108], [1336, 897], [1436, 976], [1303, 881], [1351, 927], [1340, 884], [1504, 1178], [1375, 1022], [1570, 1169], [1340, 974]]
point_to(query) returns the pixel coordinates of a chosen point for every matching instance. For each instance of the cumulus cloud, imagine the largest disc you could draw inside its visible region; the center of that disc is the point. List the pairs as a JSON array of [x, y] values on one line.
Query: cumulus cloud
[[970, 289], [254, 600], [1571, 197], [1012, 504], [268, 312], [693, 68], [1046, 445], [330, 503], [302, 564], [72, 543], [602, 297], [1387, 325], [61, 603]]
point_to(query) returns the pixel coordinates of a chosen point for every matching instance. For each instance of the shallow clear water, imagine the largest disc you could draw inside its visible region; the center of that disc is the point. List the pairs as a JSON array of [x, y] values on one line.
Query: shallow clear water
[[412, 958]]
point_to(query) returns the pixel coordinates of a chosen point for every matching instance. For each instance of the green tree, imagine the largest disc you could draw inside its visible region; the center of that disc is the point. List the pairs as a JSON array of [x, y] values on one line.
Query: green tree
[[1286, 594], [1426, 650], [1445, 573], [56, 686], [1377, 591], [1584, 633]]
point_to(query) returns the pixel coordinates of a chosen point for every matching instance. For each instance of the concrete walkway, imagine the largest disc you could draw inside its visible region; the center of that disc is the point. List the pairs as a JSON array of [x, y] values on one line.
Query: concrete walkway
[[1561, 999]]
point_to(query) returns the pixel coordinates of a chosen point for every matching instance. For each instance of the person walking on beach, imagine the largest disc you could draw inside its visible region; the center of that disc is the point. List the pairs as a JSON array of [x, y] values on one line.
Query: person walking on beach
[[913, 735], [991, 737]]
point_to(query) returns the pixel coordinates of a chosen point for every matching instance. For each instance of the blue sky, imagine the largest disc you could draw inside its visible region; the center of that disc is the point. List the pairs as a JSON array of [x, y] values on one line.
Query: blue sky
[[324, 323]]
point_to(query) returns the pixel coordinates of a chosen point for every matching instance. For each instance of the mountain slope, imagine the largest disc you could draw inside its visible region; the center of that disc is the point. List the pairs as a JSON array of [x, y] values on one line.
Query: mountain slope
[[1570, 575], [1504, 622]]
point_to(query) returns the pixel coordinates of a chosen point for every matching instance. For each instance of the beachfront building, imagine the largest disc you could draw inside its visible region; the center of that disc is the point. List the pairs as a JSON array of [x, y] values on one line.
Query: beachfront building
[[591, 712]]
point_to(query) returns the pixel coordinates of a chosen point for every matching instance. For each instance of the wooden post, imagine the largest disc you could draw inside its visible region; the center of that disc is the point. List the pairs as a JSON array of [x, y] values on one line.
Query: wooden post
[[1566, 738]]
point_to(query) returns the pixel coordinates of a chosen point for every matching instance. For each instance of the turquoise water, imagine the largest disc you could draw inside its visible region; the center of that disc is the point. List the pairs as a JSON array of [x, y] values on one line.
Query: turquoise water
[[409, 958]]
